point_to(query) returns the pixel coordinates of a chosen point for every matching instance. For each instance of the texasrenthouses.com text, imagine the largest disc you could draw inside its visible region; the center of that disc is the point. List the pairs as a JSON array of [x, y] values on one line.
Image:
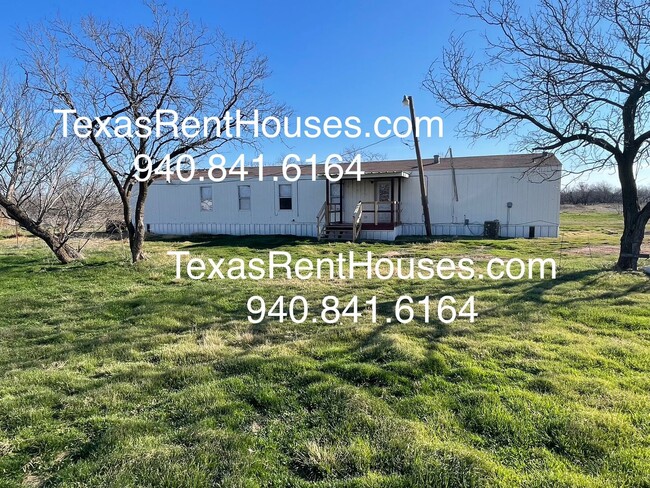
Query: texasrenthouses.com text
[[358, 265]]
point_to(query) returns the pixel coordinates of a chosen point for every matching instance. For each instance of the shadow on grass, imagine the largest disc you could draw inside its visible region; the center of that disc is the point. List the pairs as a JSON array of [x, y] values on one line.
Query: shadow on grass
[[60, 268], [523, 303], [18, 263], [126, 321], [252, 241]]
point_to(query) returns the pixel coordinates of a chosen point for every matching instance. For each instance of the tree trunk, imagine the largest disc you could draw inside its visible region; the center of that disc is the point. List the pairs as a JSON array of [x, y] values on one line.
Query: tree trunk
[[64, 252], [631, 241], [135, 224], [635, 219], [136, 240], [61, 249]]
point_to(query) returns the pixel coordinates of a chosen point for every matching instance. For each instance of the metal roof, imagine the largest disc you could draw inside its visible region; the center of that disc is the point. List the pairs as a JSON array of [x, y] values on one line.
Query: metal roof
[[515, 161], [404, 167], [374, 174]]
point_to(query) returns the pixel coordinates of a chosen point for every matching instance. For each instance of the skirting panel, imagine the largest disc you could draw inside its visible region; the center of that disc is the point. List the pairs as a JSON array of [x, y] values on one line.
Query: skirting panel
[[545, 230], [309, 230], [380, 235], [306, 230]]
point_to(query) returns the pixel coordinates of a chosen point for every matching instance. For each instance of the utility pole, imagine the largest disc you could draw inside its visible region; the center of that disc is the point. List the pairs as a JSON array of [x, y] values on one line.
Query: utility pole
[[408, 100]]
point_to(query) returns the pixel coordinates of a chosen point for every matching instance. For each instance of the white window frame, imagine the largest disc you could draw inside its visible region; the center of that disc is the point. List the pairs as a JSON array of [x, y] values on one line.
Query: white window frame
[[210, 199], [243, 198], [280, 197]]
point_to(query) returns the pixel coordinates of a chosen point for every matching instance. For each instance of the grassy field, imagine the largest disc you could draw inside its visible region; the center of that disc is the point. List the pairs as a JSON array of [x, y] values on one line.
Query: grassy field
[[119, 375]]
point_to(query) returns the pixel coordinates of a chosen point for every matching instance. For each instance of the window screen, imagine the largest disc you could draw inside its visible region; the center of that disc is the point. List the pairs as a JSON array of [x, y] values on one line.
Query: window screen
[[244, 197], [206, 198], [285, 197]]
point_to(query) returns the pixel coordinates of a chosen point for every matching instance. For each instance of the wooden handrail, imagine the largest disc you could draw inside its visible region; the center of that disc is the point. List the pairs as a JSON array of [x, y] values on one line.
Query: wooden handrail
[[379, 201], [357, 217], [322, 213], [323, 216], [395, 210]]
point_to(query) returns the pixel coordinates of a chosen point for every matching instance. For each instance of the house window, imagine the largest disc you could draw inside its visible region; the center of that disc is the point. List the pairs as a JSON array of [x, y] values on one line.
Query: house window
[[206, 199], [244, 197], [285, 197]]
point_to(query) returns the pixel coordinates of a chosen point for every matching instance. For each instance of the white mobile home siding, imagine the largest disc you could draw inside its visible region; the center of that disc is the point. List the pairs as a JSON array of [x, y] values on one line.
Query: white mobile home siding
[[175, 208], [483, 194]]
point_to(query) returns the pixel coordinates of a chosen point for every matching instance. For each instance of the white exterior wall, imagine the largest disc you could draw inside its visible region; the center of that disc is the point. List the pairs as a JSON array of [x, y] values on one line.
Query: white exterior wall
[[483, 194], [354, 192], [175, 208]]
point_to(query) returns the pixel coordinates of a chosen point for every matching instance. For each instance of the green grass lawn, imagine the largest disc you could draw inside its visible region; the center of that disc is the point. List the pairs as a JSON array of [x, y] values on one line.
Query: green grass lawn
[[118, 375]]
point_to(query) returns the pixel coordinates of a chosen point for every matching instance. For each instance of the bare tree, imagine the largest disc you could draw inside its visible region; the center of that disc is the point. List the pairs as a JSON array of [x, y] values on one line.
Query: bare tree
[[44, 185], [568, 75], [106, 71], [86, 200], [351, 152]]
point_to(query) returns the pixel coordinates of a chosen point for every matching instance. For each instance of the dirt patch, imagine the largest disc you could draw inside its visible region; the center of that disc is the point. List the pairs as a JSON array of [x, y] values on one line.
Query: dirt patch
[[596, 208], [392, 254], [589, 250]]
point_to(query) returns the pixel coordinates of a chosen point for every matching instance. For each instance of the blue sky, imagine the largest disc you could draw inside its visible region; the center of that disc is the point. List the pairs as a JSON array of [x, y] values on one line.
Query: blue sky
[[342, 58]]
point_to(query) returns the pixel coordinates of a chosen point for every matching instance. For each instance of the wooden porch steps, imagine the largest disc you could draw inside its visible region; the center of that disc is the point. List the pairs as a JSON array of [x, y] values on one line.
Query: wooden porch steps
[[337, 232]]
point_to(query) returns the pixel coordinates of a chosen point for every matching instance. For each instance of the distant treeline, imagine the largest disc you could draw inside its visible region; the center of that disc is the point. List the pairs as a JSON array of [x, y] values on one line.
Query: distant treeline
[[588, 194]]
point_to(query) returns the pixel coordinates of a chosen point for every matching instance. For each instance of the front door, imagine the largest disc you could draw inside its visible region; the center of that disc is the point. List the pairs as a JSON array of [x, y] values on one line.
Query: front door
[[384, 197], [336, 203]]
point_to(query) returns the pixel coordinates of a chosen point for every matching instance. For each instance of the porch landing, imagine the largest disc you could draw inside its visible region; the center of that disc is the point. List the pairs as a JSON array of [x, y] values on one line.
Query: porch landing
[[345, 232]]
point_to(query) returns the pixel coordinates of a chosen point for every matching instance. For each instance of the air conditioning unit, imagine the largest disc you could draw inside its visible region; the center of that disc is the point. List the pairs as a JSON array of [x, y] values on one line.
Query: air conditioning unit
[[491, 229]]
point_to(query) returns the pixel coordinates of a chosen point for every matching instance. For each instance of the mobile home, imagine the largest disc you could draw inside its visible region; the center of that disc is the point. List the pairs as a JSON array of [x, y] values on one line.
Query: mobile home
[[509, 196]]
